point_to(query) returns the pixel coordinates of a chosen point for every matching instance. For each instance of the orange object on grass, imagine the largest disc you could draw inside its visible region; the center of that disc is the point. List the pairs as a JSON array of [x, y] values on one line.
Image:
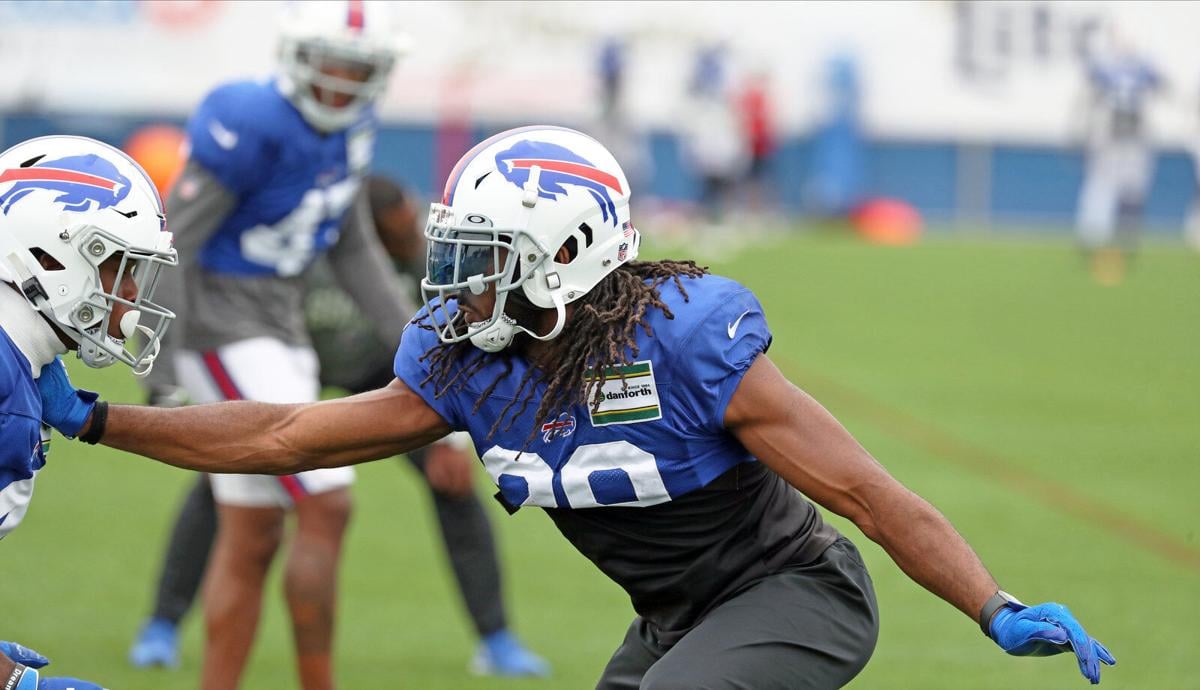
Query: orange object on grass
[[159, 150], [887, 221]]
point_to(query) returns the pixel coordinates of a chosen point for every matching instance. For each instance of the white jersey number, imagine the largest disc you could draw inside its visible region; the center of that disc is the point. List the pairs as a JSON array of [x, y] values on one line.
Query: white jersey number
[[617, 473], [287, 246]]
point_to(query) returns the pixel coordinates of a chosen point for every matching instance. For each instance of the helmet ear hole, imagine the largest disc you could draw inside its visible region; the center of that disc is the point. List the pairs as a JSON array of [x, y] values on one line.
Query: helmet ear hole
[[570, 248], [48, 262]]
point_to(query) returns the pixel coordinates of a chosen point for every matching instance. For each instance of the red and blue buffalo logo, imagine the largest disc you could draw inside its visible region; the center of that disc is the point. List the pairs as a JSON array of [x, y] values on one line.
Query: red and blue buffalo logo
[[560, 166], [559, 428], [86, 183]]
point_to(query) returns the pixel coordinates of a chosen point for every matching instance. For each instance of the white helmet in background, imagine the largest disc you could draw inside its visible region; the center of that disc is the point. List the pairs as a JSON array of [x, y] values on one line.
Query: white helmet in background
[[509, 206], [351, 37], [80, 202]]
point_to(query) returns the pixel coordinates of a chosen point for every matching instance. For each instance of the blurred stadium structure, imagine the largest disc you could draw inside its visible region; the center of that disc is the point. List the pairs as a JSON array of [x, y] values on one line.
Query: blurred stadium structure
[[970, 111]]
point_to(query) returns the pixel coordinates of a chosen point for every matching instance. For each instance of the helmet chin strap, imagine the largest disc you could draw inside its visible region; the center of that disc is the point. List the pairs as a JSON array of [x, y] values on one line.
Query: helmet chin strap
[[96, 356], [129, 326], [500, 333]]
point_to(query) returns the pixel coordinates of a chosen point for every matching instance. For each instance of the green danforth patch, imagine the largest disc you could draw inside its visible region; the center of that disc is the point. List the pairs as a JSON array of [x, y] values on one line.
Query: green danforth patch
[[634, 399]]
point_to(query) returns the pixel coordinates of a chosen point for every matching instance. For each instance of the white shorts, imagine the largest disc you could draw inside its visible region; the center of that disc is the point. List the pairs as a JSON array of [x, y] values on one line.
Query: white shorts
[[267, 370]]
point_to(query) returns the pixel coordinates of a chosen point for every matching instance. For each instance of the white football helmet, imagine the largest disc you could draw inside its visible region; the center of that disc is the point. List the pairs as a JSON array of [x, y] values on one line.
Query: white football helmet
[[80, 202], [347, 34], [509, 205]]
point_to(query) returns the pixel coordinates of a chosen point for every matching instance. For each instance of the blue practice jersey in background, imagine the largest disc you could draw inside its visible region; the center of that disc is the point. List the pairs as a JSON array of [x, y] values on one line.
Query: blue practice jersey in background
[[23, 439], [656, 437], [294, 184], [1123, 86]]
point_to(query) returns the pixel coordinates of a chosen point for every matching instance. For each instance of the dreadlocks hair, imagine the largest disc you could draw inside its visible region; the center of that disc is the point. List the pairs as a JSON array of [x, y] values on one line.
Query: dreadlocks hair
[[601, 335]]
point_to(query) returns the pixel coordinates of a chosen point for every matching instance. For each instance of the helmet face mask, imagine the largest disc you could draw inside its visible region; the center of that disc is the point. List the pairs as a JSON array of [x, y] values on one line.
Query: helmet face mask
[[82, 238], [471, 258], [93, 318], [512, 204]]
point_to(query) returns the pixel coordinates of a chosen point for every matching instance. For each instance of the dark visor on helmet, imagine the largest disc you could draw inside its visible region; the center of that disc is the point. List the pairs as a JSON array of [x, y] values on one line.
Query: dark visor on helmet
[[453, 260]]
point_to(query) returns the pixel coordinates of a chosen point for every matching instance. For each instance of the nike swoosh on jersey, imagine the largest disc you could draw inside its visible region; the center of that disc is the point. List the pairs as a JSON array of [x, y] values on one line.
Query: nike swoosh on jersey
[[732, 328], [224, 137]]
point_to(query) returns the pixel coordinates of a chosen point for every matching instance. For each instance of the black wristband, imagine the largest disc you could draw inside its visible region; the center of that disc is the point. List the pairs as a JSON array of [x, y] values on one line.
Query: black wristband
[[997, 601], [99, 420], [15, 678]]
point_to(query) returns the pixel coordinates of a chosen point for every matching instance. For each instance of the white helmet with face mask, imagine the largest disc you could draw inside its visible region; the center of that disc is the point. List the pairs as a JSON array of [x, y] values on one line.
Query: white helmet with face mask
[[67, 205], [347, 36], [509, 206]]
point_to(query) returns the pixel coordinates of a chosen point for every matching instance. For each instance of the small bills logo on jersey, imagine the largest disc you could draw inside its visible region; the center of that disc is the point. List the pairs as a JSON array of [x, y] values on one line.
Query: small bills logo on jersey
[[560, 166], [559, 428], [627, 400], [87, 182]]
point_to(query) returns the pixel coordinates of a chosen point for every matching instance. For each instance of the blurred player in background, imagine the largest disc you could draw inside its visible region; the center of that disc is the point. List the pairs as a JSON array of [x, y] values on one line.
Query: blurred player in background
[[353, 357], [82, 241], [757, 120], [712, 135], [274, 179], [1119, 159], [613, 123], [634, 401]]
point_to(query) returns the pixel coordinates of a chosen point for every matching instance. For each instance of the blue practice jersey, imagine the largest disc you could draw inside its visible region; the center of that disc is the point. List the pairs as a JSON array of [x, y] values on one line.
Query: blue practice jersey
[[1123, 86], [657, 435], [23, 439], [293, 183], [682, 515]]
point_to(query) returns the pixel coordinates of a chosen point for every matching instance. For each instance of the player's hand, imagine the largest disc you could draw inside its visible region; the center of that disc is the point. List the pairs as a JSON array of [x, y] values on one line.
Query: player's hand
[[1048, 629], [165, 395], [64, 407], [23, 655], [66, 684], [449, 470]]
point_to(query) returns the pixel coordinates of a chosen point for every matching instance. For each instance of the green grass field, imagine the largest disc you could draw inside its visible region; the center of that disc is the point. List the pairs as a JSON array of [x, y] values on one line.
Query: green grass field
[[1054, 421]]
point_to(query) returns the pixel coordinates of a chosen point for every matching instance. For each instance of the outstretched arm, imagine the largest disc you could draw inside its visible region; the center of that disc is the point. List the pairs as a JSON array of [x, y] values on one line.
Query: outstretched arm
[[794, 435], [253, 437]]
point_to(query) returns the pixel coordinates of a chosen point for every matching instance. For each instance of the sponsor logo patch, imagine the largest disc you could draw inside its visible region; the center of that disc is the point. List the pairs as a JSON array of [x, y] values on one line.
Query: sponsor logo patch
[[629, 400]]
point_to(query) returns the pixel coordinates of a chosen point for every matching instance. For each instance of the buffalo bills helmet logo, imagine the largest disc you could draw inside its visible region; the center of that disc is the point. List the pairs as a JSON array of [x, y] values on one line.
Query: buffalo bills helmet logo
[[560, 166], [87, 182]]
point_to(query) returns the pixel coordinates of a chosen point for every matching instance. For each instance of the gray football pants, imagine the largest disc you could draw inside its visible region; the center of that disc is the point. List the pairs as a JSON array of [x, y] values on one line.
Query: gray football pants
[[809, 626], [466, 533]]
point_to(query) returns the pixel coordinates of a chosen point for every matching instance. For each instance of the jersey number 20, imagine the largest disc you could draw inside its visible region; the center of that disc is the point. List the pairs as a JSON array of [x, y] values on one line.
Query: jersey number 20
[[598, 474]]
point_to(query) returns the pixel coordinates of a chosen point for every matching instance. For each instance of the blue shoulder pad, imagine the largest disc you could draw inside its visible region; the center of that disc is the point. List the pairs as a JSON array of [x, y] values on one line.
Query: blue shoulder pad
[[719, 333], [230, 135]]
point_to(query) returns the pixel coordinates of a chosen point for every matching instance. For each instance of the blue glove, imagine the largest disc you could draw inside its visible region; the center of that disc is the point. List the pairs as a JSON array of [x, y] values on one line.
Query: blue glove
[[66, 684], [63, 407], [1048, 629], [23, 655], [27, 657]]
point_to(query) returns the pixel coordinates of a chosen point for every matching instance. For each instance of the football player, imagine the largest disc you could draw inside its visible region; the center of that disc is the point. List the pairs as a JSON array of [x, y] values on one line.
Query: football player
[[81, 244], [636, 404], [1119, 158], [273, 180]]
